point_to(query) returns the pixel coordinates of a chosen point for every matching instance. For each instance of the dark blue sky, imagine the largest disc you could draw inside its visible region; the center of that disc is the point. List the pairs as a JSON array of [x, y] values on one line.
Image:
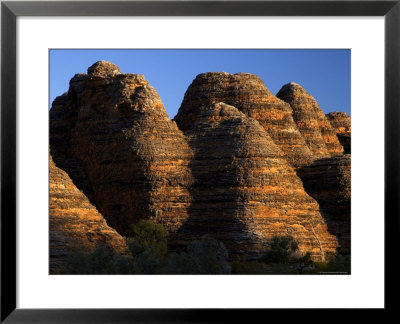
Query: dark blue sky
[[325, 74]]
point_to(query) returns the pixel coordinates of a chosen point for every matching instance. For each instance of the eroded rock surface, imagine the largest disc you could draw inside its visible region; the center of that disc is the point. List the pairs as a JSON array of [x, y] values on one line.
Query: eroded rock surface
[[311, 121], [116, 130], [328, 181], [228, 170], [75, 224], [248, 93], [245, 192], [341, 123]]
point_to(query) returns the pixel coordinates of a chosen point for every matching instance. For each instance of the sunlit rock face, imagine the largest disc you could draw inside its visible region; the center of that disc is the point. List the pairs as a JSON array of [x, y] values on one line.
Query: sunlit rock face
[[227, 171], [244, 191], [75, 224], [115, 129], [341, 123], [328, 181], [248, 93], [311, 121]]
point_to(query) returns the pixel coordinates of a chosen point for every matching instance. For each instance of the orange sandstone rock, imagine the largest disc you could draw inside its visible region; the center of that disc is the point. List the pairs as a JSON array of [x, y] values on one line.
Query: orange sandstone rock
[[311, 121], [328, 181], [228, 171], [341, 123], [245, 192], [248, 93], [135, 158], [75, 224]]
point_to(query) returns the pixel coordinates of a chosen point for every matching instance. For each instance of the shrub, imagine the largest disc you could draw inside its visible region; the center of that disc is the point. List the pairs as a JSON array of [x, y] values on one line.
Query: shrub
[[281, 249], [204, 256], [98, 262], [148, 247], [248, 267], [148, 235]]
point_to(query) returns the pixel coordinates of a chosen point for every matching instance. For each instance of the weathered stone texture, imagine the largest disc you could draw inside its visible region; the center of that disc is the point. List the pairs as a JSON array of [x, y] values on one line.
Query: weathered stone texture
[[341, 123], [311, 121], [244, 191], [136, 159], [248, 93], [328, 181], [75, 224], [228, 170]]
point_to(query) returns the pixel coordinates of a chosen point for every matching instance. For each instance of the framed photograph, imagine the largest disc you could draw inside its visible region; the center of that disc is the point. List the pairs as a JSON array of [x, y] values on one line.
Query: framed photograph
[[197, 160]]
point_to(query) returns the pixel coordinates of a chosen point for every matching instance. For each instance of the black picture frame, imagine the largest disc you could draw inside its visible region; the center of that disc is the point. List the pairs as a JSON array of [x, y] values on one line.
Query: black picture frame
[[10, 10]]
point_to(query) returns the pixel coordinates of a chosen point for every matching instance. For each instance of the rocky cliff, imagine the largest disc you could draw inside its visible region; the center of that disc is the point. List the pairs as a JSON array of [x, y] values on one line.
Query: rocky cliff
[[341, 123], [135, 158], [75, 224], [311, 121], [328, 181], [248, 93], [225, 166], [245, 192]]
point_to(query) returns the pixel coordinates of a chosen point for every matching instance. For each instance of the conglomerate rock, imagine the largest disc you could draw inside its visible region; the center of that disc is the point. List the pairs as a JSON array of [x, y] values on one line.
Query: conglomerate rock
[[248, 93], [113, 128], [328, 181], [244, 191], [341, 123], [75, 224], [311, 121]]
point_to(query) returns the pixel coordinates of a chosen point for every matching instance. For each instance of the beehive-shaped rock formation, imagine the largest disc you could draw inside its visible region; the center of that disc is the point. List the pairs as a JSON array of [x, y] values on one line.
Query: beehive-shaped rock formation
[[248, 93], [116, 130], [311, 121], [75, 224], [341, 123], [245, 192], [328, 181], [228, 170]]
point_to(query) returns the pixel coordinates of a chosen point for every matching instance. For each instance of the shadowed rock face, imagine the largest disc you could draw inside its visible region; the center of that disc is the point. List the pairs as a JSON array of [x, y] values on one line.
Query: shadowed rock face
[[75, 224], [328, 181], [229, 172], [341, 123], [311, 121], [244, 191], [116, 131], [248, 93]]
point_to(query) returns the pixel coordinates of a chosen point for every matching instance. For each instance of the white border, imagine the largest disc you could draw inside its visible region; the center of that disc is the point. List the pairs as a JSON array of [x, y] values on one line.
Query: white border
[[364, 288]]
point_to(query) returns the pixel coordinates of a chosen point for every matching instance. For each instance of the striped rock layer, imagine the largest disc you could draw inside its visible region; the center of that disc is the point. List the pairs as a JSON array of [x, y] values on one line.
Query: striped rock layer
[[228, 171], [248, 93], [341, 123], [245, 192], [328, 181], [113, 128], [311, 121], [75, 224]]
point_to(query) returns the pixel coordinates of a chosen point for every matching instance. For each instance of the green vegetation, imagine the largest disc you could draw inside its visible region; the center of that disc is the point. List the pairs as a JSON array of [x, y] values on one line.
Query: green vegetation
[[148, 247], [149, 255], [281, 250], [340, 265], [205, 256]]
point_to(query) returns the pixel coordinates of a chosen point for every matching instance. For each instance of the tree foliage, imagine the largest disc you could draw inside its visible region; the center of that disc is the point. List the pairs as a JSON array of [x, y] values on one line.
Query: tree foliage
[[281, 248], [149, 255], [203, 256]]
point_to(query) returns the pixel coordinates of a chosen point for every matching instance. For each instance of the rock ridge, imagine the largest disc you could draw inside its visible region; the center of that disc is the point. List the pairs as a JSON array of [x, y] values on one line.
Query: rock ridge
[[248, 93], [134, 156], [311, 121], [341, 123], [253, 193], [236, 162]]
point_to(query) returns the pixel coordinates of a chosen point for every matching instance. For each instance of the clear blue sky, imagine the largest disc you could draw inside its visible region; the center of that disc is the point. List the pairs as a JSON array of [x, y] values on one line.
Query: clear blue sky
[[325, 74]]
